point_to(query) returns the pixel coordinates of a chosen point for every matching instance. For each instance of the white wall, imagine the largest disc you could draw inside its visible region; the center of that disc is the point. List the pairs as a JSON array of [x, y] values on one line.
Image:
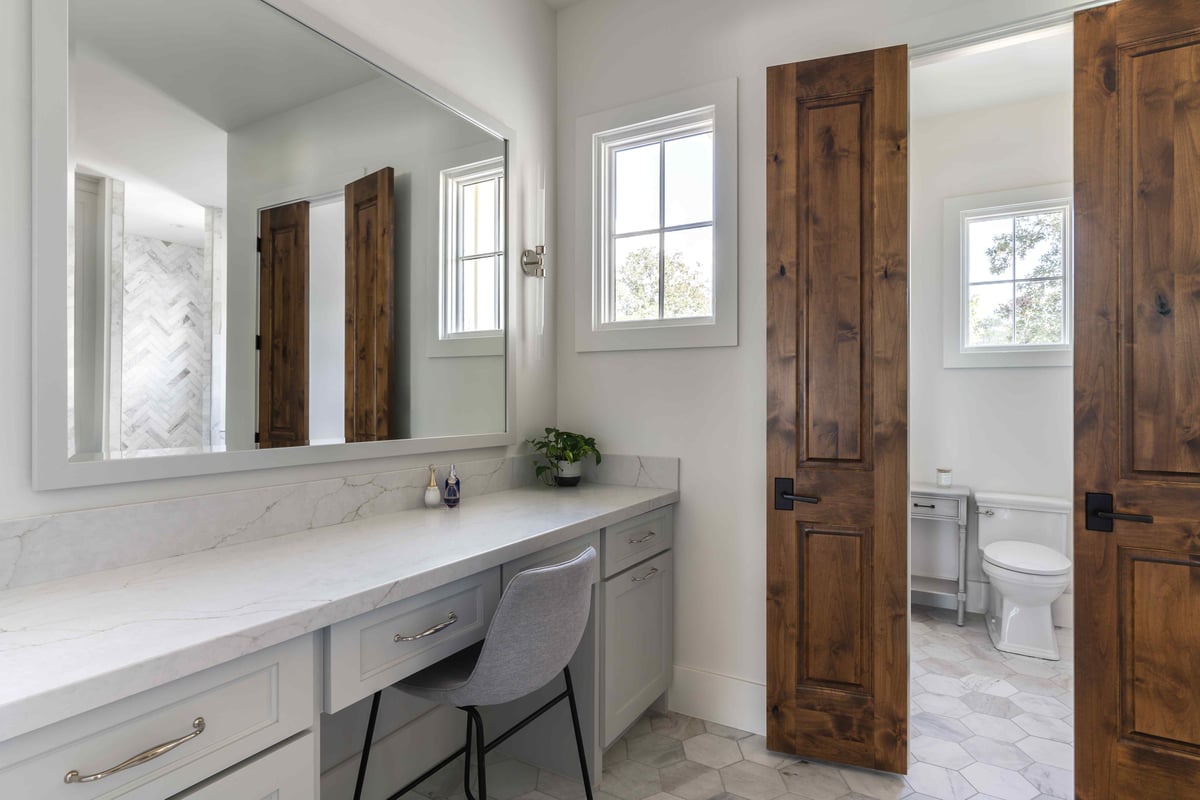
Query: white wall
[[1004, 429], [708, 406], [327, 314], [500, 58]]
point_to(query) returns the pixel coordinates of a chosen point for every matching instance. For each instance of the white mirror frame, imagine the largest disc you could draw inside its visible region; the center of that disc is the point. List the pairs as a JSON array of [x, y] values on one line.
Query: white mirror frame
[[52, 469]]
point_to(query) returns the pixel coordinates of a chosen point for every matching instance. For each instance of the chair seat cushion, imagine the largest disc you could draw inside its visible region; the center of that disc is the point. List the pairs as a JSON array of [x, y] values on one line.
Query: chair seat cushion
[[438, 682]]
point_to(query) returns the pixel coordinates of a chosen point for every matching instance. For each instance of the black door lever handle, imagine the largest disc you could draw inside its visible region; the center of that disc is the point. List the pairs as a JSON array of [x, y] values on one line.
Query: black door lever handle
[[1099, 514], [785, 499], [1143, 518]]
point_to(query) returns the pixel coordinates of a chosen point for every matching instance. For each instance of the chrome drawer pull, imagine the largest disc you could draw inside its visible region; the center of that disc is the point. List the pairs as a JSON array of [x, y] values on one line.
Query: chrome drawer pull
[[645, 538], [451, 618], [653, 571], [141, 758]]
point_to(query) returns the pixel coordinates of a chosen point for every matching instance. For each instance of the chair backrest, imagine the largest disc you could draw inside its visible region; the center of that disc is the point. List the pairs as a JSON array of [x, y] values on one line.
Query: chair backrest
[[534, 633]]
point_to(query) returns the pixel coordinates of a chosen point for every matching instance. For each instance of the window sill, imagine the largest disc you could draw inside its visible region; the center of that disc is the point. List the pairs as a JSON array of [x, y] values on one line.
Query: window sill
[[985, 359], [467, 346], [669, 336]]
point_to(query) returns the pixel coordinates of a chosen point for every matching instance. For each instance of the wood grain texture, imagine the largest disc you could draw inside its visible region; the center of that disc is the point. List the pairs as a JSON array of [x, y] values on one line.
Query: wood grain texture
[[836, 596], [1161, 270], [783, 317], [834, 169], [837, 356], [370, 301], [1162, 657], [1137, 173], [283, 326]]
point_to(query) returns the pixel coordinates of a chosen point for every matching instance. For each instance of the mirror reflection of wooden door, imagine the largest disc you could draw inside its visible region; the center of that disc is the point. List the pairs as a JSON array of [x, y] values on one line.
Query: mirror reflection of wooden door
[[1137, 400], [283, 326], [370, 264], [837, 376]]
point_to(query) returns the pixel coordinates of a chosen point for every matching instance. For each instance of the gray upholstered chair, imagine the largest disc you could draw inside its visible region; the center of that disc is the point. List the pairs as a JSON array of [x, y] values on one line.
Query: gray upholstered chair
[[535, 631]]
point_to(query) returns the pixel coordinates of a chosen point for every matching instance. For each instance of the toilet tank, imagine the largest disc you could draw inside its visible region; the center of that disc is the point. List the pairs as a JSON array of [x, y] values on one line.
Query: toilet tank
[[1023, 518]]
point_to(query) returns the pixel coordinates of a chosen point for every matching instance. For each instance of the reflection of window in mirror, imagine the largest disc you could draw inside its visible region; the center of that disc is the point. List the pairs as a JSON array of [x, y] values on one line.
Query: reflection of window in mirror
[[472, 262]]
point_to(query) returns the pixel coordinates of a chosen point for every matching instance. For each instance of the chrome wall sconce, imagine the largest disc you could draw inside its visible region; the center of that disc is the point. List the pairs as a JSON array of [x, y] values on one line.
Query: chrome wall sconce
[[533, 262]]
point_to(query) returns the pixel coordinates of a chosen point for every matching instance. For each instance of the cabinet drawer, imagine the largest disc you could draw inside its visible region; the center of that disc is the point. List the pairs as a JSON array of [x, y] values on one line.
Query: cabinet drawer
[[376, 649], [634, 540], [638, 646], [935, 507], [552, 555], [246, 705], [286, 773]]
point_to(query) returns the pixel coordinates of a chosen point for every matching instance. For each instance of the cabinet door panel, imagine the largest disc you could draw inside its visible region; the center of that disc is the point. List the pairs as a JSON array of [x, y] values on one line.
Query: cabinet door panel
[[286, 773], [638, 647]]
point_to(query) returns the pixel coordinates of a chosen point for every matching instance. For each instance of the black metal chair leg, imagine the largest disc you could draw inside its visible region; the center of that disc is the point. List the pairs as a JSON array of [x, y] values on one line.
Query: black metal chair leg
[[467, 756], [583, 767], [366, 751], [481, 750]]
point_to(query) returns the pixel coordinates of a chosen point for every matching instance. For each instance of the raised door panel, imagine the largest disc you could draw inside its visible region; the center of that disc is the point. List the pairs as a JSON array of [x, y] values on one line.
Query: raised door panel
[[638, 642], [834, 172], [370, 305], [283, 326]]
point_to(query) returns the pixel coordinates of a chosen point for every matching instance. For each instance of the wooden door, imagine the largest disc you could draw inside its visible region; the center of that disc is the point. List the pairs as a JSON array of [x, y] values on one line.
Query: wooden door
[[370, 263], [837, 375], [1137, 400], [283, 326]]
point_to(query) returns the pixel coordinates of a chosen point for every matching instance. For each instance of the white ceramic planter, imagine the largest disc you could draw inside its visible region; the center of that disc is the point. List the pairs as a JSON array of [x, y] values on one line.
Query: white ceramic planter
[[569, 474]]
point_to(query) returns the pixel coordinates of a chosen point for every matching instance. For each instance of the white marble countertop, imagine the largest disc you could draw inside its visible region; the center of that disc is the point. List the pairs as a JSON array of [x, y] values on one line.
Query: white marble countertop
[[72, 645]]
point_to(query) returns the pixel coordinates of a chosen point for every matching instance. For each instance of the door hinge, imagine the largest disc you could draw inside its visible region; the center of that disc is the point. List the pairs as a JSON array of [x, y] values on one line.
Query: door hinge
[[257, 439], [258, 341], [258, 245]]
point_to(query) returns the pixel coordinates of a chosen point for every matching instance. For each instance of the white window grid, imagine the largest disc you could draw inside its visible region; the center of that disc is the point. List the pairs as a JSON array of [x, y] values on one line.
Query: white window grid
[[607, 145], [1015, 211], [451, 312]]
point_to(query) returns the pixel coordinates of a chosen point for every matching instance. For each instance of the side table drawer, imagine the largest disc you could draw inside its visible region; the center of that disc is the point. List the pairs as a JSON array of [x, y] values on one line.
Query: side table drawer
[[376, 649], [935, 507], [216, 718]]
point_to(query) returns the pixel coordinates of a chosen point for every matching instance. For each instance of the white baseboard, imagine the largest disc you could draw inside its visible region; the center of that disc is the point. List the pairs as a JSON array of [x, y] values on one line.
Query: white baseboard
[[398, 757], [730, 701]]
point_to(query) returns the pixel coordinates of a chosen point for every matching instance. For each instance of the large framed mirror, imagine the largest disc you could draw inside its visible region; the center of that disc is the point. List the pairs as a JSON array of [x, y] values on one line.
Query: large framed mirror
[[258, 242]]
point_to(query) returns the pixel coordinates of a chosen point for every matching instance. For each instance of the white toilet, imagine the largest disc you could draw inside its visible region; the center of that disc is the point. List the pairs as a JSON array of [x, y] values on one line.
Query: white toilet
[[1023, 539]]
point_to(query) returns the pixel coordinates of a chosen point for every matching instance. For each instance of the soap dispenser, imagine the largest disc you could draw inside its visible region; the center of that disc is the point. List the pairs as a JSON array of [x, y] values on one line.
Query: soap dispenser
[[433, 495], [452, 496]]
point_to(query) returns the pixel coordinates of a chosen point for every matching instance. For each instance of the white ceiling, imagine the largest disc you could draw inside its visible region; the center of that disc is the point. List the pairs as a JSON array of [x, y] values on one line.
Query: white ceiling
[[230, 61], [557, 4], [998, 73]]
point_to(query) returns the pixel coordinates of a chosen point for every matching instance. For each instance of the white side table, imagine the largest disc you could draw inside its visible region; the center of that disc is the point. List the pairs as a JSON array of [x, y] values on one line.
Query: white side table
[[929, 501]]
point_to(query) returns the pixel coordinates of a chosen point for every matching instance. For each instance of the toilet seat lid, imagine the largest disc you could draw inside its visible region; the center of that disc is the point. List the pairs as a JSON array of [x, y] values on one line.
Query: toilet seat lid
[[1027, 557]]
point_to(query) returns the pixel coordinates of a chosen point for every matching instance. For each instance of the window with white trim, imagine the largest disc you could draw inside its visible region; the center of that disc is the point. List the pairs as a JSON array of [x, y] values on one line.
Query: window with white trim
[[656, 196], [472, 269], [1012, 279], [658, 223]]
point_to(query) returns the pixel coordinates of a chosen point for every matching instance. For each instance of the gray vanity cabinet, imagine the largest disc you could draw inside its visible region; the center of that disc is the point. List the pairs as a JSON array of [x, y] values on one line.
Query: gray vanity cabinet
[[638, 619]]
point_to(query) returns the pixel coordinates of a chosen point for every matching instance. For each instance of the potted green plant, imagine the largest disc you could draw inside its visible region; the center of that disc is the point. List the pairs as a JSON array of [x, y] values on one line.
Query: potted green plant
[[563, 453]]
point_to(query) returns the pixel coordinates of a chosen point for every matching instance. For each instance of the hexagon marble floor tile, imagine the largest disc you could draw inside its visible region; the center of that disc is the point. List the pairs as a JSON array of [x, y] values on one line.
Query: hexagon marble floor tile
[[985, 725]]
